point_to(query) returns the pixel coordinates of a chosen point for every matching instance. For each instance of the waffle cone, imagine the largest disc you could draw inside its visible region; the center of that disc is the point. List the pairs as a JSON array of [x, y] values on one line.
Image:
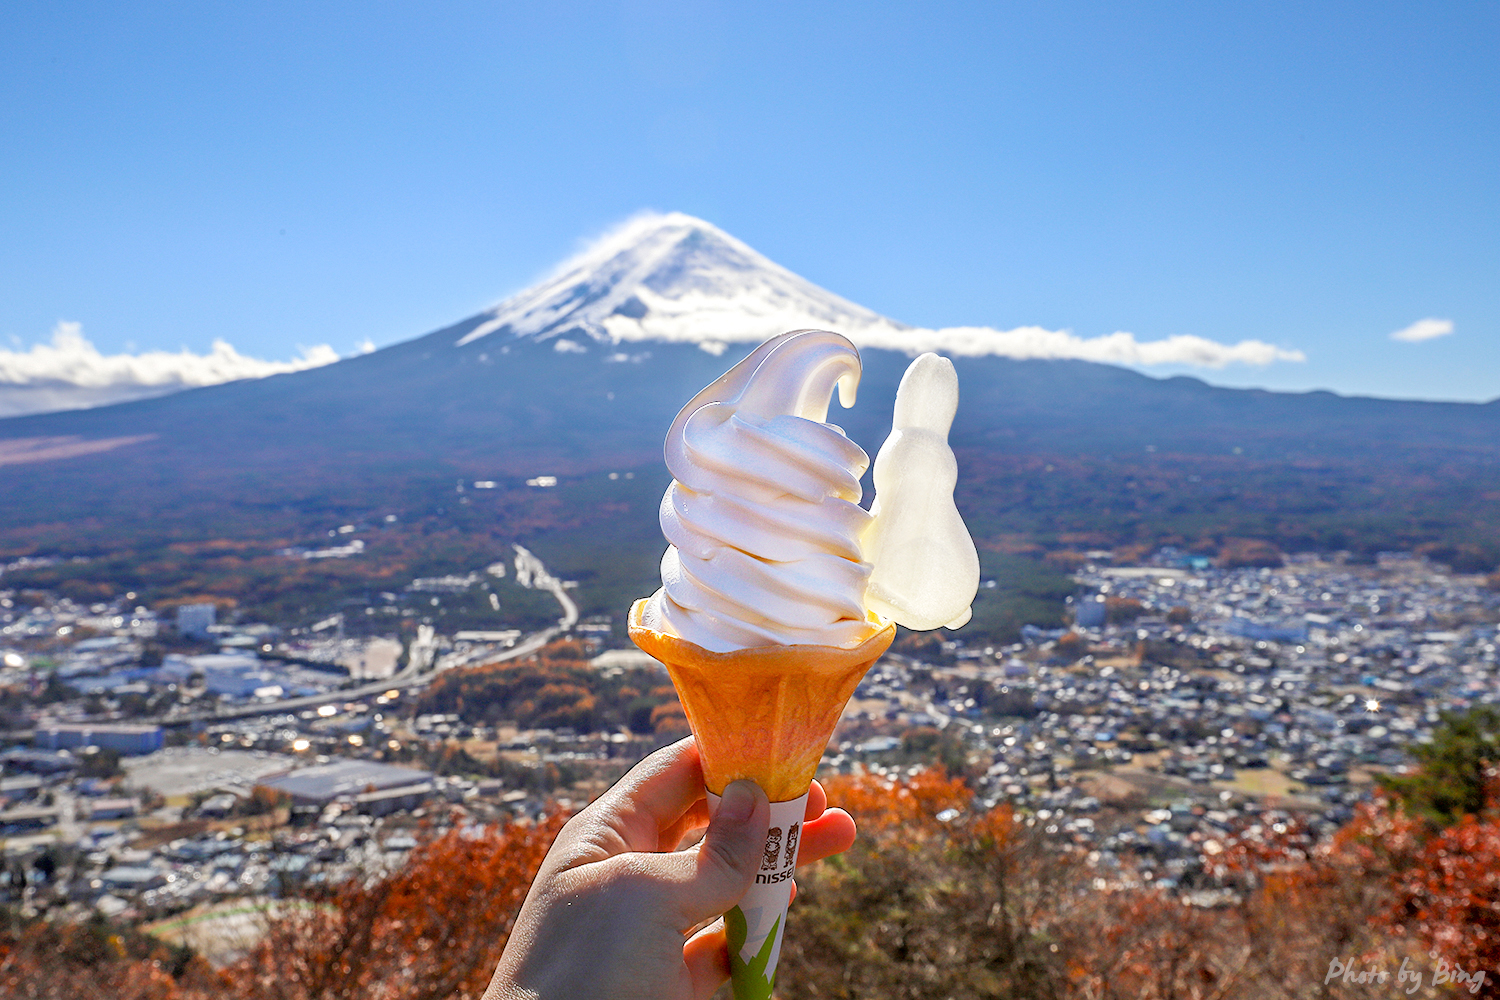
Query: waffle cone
[[764, 713]]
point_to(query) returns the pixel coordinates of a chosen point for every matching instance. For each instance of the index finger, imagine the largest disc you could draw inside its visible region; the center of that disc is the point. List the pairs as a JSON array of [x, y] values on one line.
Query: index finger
[[817, 801]]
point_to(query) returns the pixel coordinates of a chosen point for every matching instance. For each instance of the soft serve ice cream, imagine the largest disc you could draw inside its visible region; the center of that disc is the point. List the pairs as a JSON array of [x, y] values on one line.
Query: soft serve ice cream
[[779, 592], [925, 568], [768, 542], [763, 514]]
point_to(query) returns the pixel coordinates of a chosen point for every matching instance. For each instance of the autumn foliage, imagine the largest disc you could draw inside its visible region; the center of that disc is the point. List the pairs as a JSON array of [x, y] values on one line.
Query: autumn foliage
[[939, 898], [942, 900], [1451, 895], [44, 960], [554, 689], [935, 900], [431, 931]]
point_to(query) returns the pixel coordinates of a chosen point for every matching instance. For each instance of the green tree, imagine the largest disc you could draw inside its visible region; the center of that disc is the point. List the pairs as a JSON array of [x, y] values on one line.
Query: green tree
[[1456, 768]]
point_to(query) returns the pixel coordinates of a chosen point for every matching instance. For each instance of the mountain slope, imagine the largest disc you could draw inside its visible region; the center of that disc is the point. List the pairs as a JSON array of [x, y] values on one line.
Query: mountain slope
[[674, 279], [581, 375]]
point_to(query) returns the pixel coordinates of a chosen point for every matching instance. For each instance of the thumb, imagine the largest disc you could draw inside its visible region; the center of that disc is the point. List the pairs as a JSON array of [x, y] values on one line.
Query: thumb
[[729, 854]]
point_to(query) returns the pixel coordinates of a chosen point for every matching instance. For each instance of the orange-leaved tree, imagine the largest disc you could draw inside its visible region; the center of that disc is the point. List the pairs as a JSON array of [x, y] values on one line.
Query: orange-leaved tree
[[938, 898], [1450, 897], [59, 960], [432, 930]]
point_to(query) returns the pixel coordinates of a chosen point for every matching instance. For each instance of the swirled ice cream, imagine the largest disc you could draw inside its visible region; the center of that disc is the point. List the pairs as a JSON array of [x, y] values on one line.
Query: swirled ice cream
[[769, 545], [763, 514]]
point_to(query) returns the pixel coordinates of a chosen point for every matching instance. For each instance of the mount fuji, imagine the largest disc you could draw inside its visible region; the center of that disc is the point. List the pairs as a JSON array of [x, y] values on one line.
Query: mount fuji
[[673, 279], [676, 279], [579, 377]]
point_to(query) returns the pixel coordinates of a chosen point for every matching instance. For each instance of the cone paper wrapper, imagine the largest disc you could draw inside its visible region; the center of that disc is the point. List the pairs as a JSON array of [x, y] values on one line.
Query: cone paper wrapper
[[755, 927], [764, 713]]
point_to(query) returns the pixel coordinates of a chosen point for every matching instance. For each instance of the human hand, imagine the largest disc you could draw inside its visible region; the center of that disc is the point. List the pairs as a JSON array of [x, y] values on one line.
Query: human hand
[[617, 910]]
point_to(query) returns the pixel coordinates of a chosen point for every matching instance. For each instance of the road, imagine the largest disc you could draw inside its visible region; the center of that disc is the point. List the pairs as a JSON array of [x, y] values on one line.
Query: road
[[407, 680]]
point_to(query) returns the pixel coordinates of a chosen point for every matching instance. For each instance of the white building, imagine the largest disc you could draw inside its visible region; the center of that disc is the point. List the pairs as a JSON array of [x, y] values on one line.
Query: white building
[[195, 619]]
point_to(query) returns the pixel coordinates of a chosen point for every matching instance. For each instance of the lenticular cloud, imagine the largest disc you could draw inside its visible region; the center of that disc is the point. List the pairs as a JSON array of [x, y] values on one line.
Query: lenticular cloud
[[70, 372]]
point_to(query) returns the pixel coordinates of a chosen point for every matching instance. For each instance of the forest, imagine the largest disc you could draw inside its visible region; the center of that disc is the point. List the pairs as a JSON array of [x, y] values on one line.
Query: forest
[[558, 689]]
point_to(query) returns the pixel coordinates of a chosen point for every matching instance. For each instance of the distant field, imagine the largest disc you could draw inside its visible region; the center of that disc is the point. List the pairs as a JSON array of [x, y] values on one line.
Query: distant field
[[1264, 781]]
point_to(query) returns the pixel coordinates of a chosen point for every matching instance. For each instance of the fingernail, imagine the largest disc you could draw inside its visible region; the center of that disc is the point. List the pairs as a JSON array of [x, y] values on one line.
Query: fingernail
[[738, 802]]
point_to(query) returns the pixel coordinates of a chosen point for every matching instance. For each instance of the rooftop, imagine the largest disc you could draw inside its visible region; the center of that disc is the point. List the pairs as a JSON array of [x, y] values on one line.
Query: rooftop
[[326, 782]]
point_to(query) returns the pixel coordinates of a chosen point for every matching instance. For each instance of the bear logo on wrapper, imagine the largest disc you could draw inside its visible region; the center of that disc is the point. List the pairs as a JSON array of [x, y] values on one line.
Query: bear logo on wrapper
[[779, 591]]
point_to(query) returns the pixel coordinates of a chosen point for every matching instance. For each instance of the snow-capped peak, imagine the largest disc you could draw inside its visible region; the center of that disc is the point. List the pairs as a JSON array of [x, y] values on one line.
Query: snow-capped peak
[[679, 279], [674, 278]]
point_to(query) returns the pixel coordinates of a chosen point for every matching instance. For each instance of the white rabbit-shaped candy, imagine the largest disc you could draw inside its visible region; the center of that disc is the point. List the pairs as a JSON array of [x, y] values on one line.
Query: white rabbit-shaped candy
[[926, 568]]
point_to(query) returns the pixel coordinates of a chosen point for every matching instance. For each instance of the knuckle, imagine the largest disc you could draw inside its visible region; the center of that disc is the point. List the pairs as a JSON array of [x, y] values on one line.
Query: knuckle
[[727, 854]]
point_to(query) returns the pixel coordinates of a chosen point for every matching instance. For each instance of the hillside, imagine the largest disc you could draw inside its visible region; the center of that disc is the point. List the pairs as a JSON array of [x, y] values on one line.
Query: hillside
[[565, 380]]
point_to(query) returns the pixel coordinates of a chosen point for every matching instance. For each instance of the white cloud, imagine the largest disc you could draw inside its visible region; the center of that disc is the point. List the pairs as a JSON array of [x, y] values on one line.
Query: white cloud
[[1028, 342], [745, 321], [70, 359], [1424, 329], [70, 372]]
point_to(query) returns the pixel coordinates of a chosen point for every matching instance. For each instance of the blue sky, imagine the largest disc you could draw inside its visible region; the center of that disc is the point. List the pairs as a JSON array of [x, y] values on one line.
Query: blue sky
[[1317, 176]]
